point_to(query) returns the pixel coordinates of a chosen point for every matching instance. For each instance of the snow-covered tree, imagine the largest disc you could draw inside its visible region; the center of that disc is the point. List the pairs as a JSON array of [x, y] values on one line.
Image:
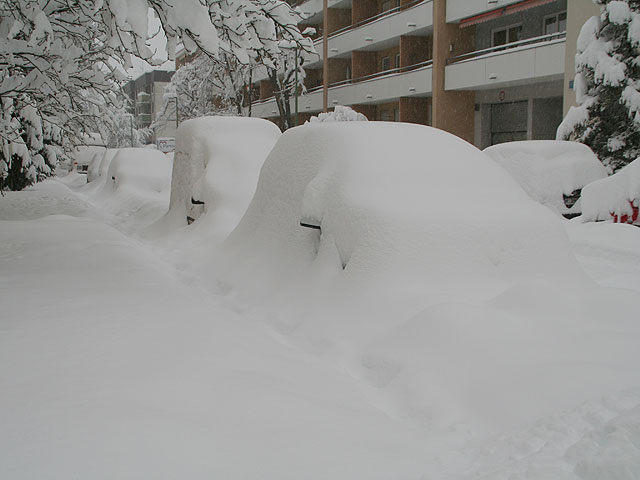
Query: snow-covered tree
[[118, 129], [65, 58], [607, 85], [206, 86]]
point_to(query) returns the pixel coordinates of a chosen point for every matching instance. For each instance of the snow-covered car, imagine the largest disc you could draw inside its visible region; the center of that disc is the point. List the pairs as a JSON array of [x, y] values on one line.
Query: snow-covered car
[[82, 157], [391, 200], [614, 198], [216, 166], [552, 172]]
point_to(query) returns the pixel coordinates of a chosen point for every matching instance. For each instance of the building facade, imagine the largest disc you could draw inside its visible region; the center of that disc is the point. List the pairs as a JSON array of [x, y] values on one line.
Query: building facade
[[488, 71], [147, 97]]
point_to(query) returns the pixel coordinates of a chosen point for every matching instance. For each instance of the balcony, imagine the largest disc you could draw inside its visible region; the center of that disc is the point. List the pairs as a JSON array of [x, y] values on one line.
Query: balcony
[[518, 63], [459, 9], [375, 33], [381, 87]]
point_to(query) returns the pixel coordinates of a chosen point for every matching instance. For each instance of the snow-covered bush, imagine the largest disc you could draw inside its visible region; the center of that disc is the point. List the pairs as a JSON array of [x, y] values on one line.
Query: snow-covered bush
[[607, 85], [551, 172], [340, 114], [617, 196], [216, 166]]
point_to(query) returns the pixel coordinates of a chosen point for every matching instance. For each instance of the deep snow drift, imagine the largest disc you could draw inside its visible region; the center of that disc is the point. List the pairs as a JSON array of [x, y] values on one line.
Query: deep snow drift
[[434, 278], [132, 185], [548, 169], [461, 340]]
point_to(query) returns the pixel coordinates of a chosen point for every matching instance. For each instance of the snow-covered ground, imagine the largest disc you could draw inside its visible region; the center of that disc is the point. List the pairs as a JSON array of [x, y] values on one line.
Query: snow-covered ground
[[123, 357]]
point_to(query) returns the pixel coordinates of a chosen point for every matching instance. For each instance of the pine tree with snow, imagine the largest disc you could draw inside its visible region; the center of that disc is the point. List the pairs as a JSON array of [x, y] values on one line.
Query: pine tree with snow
[[607, 85]]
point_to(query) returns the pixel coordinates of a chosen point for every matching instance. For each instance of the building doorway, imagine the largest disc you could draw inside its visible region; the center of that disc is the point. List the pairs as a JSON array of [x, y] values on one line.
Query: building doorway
[[508, 122]]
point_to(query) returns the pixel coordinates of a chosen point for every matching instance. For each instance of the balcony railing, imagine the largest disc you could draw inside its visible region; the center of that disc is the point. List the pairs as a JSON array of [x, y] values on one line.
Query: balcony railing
[[377, 17], [372, 76], [508, 46]]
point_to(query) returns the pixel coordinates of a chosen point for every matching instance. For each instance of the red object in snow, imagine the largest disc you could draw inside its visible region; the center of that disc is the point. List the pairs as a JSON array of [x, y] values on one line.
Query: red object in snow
[[625, 218]]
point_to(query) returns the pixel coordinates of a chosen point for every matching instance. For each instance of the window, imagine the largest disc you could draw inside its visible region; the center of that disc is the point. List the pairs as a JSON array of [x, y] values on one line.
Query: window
[[385, 64], [396, 115], [555, 23], [385, 116], [386, 5], [502, 36], [397, 60], [348, 73]]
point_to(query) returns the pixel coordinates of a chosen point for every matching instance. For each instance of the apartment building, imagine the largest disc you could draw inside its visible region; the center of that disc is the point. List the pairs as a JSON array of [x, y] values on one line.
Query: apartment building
[[488, 71], [147, 96]]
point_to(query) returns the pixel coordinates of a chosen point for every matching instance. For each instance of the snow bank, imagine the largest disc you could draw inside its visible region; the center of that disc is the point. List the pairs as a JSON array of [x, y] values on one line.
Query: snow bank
[[215, 169], [617, 195], [340, 114], [136, 185], [100, 164], [548, 169], [433, 279]]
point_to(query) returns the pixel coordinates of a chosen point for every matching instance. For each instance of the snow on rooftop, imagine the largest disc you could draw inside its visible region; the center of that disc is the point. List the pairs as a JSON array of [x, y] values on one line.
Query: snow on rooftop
[[549, 169]]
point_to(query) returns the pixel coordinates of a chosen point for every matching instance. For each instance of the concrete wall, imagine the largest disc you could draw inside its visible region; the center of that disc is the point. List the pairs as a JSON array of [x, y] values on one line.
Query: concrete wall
[[415, 110], [363, 63], [338, 69], [415, 49], [338, 18], [363, 9], [578, 12]]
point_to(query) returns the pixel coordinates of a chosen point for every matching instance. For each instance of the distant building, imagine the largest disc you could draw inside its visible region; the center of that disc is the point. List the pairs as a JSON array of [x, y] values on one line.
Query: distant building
[[489, 71], [147, 97]]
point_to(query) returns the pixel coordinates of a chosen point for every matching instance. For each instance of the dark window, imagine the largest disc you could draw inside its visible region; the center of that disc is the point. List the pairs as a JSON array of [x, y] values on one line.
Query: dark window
[[555, 23], [506, 35], [385, 64]]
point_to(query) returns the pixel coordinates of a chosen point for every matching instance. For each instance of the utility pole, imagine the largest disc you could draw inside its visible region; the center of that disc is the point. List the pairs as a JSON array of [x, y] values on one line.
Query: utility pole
[[177, 117], [325, 55], [296, 119]]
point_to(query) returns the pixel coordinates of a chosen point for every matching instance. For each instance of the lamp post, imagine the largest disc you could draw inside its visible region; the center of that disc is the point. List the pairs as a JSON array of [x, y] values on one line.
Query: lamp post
[[296, 119]]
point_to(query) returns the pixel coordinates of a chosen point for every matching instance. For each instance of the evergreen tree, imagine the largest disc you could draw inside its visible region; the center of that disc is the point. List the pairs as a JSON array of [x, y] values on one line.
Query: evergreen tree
[[607, 85]]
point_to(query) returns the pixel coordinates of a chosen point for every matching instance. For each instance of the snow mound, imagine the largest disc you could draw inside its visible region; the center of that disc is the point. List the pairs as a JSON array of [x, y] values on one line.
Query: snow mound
[[549, 169], [436, 214], [617, 195], [428, 274], [100, 164], [216, 166], [136, 185], [339, 114]]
